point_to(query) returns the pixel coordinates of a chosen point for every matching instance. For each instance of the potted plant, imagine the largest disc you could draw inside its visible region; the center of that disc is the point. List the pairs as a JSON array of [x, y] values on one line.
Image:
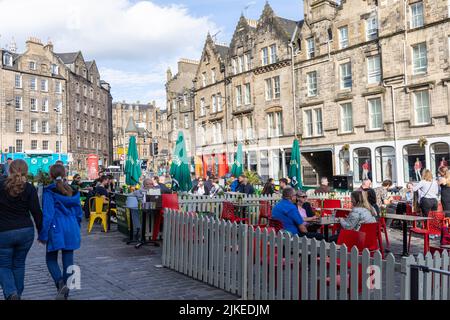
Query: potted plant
[[346, 147], [422, 142]]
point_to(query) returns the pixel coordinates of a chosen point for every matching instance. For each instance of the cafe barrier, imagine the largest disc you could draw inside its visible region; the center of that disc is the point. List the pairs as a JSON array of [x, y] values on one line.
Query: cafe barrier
[[261, 265]]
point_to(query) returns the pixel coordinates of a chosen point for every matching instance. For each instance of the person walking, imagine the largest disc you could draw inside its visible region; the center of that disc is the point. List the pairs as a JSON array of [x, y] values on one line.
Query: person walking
[[18, 199], [428, 193], [61, 228]]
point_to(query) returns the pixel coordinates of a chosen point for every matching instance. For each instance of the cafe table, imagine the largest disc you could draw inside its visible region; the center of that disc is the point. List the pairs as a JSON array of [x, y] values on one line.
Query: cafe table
[[405, 219], [326, 222]]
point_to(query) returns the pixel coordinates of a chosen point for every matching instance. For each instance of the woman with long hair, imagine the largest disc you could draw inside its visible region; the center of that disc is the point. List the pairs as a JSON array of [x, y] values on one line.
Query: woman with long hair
[[61, 227], [360, 214], [428, 193], [269, 188], [17, 200], [445, 192]]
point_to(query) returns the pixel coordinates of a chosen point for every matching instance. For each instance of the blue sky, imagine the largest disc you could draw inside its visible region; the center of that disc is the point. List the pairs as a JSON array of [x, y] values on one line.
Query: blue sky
[[133, 41]]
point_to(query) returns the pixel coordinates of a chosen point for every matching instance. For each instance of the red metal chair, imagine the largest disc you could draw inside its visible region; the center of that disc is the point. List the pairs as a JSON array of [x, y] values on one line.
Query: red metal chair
[[228, 213], [265, 212], [432, 227], [385, 231], [374, 241], [169, 201], [330, 204], [339, 214], [276, 224], [315, 203], [352, 238]]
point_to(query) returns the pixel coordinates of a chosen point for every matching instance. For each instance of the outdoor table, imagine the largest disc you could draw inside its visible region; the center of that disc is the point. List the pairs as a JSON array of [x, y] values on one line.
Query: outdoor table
[[445, 247], [405, 219], [326, 222], [146, 210]]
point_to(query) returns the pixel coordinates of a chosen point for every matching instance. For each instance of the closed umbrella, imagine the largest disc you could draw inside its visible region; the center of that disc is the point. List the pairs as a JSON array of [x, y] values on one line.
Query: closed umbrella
[[179, 170], [238, 168], [132, 166], [294, 167]]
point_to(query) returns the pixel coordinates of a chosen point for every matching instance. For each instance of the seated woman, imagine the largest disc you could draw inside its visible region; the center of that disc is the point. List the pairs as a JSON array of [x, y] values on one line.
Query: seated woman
[[306, 212], [287, 213], [359, 215]]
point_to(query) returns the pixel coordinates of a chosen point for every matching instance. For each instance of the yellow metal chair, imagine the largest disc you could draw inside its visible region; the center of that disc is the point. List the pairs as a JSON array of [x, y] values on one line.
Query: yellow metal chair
[[98, 209]]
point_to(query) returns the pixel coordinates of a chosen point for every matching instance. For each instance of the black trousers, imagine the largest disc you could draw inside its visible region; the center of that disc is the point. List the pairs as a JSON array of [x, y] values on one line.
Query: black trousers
[[427, 205]]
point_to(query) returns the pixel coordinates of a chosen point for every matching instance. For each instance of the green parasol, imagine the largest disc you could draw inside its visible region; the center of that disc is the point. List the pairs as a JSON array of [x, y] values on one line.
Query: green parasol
[[238, 168], [132, 167], [181, 175], [294, 167]]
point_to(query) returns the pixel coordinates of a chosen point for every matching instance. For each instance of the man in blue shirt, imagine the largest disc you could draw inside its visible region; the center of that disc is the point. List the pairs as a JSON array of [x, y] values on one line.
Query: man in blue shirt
[[287, 213]]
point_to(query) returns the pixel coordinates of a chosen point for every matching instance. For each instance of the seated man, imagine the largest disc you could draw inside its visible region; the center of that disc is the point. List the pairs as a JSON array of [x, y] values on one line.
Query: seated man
[[287, 212]]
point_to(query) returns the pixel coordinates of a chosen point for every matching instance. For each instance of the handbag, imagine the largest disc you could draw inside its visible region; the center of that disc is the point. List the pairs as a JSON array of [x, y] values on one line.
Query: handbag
[[445, 236]]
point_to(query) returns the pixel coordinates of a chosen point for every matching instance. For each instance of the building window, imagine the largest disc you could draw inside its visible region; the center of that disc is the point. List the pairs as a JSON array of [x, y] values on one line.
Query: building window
[[346, 75], [77, 88], [59, 128], [375, 114], [374, 69], [238, 96], [371, 28], [55, 69], [277, 87], [32, 65], [44, 105], [85, 125], [343, 37], [362, 167], [414, 162], [78, 124], [85, 108], [34, 144], [249, 127], [204, 79], [45, 127], [275, 124], [185, 100], [385, 164], [248, 99], [202, 107], [45, 145], [234, 65], [269, 90], [265, 56], [186, 121], [312, 84], [213, 76], [344, 162], [33, 84], [85, 91], [18, 81], [44, 85], [58, 87], [33, 104], [311, 48], [7, 60], [19, 146], [417, 15], [59, 107], [19, 125], [440, 155], [241, 64], [239, 129], [420, 58], [34, 126], [248, 62], [346, 118], [313, 122], [219, 102], [58, 148], [422, 107], [217, 132], [85, 142], [18, 103], [78, 142], [273, 54], [214, 104], [174, 105]]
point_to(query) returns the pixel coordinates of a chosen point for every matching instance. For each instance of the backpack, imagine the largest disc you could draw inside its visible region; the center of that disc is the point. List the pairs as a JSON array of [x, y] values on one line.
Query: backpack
[[445, 236]]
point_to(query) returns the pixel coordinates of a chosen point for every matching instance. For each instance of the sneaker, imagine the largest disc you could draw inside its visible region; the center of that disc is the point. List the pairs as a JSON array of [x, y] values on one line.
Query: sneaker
[[14, 296], [63, 291]]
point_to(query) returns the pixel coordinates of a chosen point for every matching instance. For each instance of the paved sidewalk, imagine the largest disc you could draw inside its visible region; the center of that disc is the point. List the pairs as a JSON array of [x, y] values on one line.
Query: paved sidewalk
[[111, 270]]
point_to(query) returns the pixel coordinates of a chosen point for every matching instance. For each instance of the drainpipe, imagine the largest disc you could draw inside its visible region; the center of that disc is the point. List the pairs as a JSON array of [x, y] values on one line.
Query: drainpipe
[[291, 46]]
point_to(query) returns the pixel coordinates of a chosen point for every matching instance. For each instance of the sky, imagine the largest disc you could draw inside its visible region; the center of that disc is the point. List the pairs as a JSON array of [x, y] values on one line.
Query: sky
[[132, 41]]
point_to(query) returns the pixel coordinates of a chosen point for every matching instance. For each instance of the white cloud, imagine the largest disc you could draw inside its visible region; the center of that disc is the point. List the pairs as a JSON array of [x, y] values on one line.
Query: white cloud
[[121, 35]]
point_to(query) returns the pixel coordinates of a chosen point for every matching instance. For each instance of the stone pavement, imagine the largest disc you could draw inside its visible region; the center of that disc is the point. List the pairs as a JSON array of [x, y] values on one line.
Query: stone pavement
[[111, 270]]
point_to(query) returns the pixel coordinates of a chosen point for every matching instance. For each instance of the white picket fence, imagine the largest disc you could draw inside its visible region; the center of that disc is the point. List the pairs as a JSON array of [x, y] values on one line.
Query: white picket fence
[[213, 206], [258, 265]]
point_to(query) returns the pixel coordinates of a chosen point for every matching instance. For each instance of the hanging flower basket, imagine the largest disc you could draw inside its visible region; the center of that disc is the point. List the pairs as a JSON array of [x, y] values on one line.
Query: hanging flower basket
[[346, 147], [422, 142]]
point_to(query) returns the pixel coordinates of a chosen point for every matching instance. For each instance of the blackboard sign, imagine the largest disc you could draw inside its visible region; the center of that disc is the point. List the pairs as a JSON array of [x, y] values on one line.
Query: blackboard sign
[[123, 214]]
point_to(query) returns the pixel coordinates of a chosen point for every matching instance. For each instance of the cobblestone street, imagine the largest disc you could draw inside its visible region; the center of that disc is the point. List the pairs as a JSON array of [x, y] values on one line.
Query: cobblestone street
[[111, 270]]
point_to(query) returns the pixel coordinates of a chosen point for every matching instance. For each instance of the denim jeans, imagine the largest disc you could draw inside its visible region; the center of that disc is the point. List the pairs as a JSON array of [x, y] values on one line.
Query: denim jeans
[[14, 247], [53, 266]]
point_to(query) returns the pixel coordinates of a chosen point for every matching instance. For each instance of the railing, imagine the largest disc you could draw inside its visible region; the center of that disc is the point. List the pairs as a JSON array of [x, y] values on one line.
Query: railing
[[213, 206], [261, 265]]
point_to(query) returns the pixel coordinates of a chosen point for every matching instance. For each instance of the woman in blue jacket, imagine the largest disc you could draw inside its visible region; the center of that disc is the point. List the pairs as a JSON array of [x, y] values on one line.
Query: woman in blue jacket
[[61, 227]]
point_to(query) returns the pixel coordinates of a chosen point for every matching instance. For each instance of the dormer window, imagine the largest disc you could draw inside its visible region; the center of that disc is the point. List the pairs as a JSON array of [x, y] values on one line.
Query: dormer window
[[311, 48], [32, 65], [7, 60], [55, 69]]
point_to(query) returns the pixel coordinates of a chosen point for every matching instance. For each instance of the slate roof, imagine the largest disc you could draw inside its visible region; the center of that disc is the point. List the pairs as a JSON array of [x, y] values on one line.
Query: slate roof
[[289, 25], [68, 58], [223, 51]]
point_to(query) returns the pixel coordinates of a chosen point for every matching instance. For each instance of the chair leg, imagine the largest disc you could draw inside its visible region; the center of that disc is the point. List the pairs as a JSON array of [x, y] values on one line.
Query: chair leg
[[91, 223], [105, 224]]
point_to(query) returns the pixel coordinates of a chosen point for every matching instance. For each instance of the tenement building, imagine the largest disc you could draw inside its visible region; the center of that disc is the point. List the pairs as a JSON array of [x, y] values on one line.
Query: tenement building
[[144, 122], [89, 112], [372, 88], [33, 106], [180, 104]]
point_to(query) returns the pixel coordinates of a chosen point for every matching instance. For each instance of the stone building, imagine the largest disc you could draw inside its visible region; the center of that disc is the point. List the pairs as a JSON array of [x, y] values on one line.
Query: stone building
[[372, 88], [89, 111], [211, 117], [146, 121], [34, 112], [180, 104]]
